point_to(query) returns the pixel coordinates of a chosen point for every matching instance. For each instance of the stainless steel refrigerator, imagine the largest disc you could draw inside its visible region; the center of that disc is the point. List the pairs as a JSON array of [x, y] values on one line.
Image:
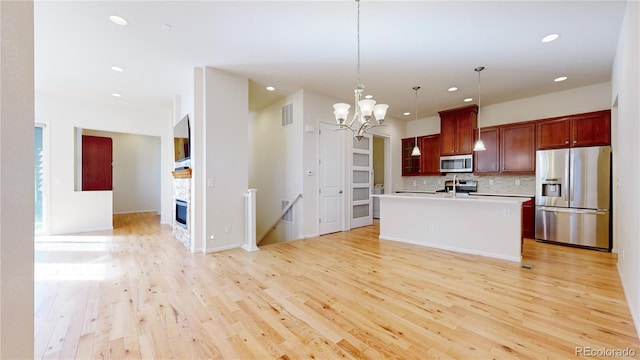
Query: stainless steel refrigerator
[[573, 201]]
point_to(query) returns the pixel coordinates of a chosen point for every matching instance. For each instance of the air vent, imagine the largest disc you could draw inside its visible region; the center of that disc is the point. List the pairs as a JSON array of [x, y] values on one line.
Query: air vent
[[288, 216], [287, 115]]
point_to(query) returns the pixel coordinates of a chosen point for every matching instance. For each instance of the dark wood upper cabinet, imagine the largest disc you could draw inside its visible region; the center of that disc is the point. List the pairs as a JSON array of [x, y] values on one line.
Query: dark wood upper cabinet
[[430, 149], [553, 134], [456, 130], [488, 161], [518, 148], [591, 129], [428, 163], [588, 129], [410, 164]]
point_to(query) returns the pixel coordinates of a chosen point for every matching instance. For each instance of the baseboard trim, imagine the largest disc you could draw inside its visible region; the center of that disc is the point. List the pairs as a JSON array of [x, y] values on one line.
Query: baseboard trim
[[632, 309], [221, 248]]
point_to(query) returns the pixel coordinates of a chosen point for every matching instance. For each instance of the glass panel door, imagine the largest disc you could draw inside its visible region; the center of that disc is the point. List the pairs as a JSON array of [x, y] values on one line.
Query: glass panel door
[[361, 182]]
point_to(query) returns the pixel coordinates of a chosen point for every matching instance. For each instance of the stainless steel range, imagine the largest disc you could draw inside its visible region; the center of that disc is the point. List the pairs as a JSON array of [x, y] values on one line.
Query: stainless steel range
[[462, 186]]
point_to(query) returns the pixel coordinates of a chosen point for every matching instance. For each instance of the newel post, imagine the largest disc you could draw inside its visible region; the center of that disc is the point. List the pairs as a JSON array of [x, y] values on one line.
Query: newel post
[[250, 220]]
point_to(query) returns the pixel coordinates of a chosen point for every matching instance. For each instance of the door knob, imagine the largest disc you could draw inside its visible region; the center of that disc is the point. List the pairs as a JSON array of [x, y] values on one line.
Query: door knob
[[340, 192]]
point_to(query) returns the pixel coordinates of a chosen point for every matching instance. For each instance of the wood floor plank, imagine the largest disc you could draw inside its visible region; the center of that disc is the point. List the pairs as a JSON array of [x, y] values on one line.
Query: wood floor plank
[[348, 295]]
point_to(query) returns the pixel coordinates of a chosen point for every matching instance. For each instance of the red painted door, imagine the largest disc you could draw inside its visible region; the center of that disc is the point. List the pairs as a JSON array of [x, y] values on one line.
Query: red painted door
[[97, 156]]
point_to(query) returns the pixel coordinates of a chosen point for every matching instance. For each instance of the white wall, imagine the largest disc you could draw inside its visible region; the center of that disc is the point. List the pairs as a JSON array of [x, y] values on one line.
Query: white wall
[[275, 168], [136, 172], [77, 211], [626, 91], [223, 179], [573, 101], [17, 181]]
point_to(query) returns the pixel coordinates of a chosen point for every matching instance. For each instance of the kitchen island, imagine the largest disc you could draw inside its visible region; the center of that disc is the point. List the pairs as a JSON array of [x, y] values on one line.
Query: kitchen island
[[481, 225]]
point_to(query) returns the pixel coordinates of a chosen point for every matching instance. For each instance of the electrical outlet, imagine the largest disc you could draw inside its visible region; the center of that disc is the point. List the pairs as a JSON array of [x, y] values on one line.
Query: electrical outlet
[[414, 183], [506, 212], [490, 182], [517, 182], [424, 182], [227, 228]]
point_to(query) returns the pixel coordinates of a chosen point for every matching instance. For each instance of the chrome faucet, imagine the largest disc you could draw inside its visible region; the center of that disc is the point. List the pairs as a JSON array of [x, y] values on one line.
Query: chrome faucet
[[455, 181]]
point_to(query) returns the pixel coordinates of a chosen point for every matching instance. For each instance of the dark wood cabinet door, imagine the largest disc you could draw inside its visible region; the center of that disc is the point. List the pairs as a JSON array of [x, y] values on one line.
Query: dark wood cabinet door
[[430, 148], [591, 129], [488, 161], [528, 220], [410, 164], [465, 123], [456, 130], [554, 134], [518, 148], [448, 136], [97, 158]]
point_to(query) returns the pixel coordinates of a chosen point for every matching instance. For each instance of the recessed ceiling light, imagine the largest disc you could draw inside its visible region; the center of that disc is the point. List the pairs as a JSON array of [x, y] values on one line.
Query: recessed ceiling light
[[117, 69], [550, 38], [561, 78], [452, 89], [270, 88], [116, 95], [166, 27], [468, 100], [406, 114], [368, 96], [118, 20]]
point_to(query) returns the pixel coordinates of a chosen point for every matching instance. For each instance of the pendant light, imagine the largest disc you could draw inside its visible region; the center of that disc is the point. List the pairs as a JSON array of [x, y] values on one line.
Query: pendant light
[[416, 148], [479, 145]]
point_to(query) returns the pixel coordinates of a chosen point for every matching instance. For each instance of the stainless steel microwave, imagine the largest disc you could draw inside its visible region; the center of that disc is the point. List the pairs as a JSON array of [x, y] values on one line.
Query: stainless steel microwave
[[456, 163]]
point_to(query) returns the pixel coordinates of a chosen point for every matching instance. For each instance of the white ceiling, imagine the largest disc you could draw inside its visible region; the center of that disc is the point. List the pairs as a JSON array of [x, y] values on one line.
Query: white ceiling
[[312, 45]]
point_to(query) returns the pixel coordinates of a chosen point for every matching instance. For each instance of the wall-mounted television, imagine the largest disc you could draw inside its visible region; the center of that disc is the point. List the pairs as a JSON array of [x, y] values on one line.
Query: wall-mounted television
[[182, 144]]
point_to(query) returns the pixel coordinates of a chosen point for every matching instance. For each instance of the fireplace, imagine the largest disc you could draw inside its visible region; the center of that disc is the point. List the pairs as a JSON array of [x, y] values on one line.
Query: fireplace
[[181, 213]]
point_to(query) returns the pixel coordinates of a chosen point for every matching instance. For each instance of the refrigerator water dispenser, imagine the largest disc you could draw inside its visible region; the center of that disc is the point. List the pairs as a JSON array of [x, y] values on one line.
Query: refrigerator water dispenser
[[552, 189]]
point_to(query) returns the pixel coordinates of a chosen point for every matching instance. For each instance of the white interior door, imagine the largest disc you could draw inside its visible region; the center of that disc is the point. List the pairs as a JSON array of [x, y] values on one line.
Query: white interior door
[[330, 173], [361, 182]]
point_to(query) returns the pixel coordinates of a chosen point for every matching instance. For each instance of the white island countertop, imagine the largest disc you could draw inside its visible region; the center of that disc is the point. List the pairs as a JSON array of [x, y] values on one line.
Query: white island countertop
[[482, 225]]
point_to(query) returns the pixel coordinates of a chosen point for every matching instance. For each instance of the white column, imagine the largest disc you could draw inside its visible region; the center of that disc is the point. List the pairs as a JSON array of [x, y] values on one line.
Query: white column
[[250, 233]]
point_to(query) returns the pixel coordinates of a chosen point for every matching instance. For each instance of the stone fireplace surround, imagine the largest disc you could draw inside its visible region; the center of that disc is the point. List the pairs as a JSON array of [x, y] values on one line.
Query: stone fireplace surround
[[182, 191]]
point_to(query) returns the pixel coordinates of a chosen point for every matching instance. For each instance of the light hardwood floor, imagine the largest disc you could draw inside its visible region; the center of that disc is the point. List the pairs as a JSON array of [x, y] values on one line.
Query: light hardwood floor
[[134, 292]]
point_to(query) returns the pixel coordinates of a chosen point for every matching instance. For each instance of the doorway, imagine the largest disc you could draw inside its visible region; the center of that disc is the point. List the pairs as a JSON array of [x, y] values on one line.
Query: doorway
[[40, 184], [378, 172]]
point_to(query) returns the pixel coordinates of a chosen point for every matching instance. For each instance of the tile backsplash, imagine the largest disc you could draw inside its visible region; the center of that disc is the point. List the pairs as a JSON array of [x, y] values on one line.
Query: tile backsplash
[[507, 185]]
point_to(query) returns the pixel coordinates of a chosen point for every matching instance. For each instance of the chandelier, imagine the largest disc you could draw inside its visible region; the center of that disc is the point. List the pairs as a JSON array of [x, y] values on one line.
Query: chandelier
[[479, 145], [364, 108]]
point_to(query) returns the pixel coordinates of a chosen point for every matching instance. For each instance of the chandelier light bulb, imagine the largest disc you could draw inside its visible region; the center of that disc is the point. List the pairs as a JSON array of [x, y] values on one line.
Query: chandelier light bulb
[[341, 111], [380, 111]]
